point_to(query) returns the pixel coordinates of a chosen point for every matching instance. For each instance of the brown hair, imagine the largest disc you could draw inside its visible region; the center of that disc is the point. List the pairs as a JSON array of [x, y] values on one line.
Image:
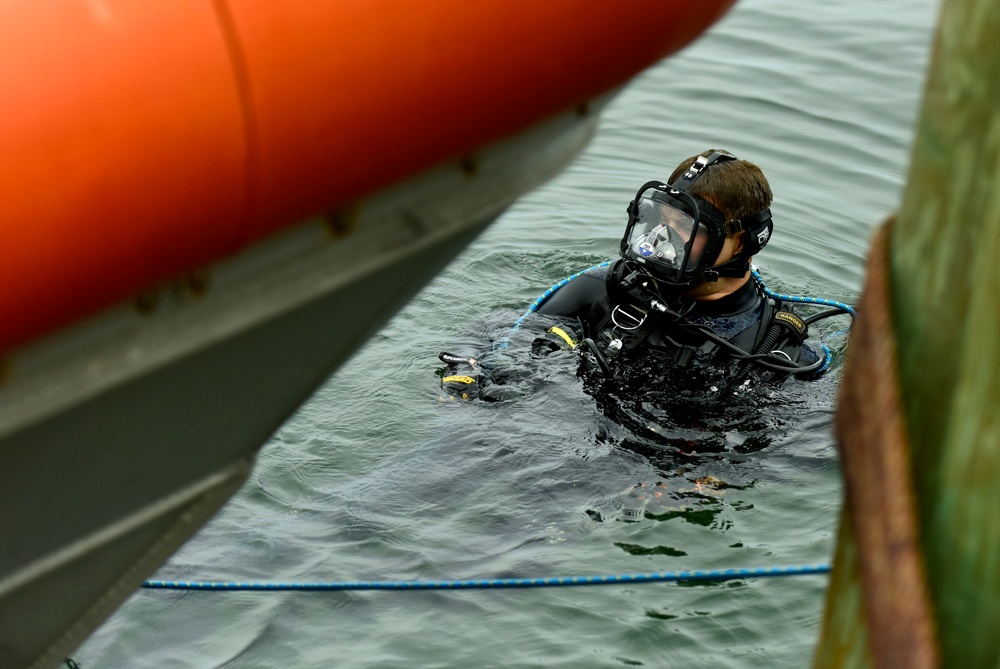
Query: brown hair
[[737, 187]]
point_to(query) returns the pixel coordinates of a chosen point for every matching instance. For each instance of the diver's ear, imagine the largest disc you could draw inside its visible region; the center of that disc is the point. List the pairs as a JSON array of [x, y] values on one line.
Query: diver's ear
[[740, 242]]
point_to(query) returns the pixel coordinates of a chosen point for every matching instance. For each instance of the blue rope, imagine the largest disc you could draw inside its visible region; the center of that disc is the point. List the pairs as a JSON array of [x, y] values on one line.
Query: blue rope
[[828, 357], [481, 584], [805, 300], [540, 300]]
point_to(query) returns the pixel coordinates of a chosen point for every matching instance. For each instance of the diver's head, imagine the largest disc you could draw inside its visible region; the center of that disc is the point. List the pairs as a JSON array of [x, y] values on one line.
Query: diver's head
[[704, 225]]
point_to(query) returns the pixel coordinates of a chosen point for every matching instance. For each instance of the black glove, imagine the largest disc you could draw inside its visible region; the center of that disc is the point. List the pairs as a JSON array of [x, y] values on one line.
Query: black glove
[[460, 377]]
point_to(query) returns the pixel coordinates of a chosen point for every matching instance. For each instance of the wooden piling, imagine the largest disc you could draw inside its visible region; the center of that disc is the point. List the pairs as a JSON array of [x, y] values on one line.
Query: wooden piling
[[944, 288]]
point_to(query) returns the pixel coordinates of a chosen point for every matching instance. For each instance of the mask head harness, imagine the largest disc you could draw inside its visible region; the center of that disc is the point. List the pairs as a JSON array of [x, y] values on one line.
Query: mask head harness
[[676, 237]]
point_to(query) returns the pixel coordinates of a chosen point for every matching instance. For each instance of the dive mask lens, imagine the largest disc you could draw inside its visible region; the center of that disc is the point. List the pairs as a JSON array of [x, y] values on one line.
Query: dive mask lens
[[666, 236]]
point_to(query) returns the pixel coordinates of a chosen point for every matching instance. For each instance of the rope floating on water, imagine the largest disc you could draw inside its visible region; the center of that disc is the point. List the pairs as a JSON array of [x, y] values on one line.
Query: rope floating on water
[[498, 583]]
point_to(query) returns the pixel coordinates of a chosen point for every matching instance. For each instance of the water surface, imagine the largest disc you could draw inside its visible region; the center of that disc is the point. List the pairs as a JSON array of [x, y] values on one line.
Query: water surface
[[375, 479]]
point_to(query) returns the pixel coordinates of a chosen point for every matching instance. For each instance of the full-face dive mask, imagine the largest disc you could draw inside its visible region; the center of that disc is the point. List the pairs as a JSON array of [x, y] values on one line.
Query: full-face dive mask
[[677, 237]]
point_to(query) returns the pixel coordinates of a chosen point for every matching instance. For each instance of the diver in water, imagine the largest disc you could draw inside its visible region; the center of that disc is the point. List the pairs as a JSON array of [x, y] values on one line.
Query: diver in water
[[679, 310], [682, 289]]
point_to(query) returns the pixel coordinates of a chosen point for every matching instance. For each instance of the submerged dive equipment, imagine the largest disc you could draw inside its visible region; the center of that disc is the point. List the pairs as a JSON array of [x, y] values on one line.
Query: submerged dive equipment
[[677, 236]]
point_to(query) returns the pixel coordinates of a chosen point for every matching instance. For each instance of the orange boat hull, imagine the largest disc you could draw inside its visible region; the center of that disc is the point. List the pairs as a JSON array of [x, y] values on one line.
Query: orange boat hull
[[140, 140]]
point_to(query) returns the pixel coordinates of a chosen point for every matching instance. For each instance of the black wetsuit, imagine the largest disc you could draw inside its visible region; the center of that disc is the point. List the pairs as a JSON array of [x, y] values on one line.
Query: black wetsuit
[[669, 381], [664, 349]]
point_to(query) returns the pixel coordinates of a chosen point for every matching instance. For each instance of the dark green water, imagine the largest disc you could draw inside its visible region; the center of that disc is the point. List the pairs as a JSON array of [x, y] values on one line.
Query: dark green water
[[374, 479]]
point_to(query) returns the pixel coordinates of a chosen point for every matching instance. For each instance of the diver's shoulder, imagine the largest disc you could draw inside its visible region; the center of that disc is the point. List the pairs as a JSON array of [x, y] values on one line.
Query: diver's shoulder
[[577, 295]]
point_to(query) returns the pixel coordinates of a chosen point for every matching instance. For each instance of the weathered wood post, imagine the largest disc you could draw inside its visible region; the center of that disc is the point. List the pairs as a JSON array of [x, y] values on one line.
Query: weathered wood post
[[916, 578]]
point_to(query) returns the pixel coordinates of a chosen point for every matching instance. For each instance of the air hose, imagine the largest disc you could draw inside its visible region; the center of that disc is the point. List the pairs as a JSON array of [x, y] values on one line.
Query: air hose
[[770, 339]]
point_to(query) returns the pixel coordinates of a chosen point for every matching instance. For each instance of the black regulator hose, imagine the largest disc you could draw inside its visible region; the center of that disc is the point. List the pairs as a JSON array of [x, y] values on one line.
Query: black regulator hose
[[766, 344], [601, 360], [758, 358]]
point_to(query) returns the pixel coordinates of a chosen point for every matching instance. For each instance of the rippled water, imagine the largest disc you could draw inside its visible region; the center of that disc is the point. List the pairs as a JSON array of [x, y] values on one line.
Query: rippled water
[[375, 479]]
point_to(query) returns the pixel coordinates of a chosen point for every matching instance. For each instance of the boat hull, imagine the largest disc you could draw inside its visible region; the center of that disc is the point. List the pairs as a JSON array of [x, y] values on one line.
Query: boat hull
[[122, 435]]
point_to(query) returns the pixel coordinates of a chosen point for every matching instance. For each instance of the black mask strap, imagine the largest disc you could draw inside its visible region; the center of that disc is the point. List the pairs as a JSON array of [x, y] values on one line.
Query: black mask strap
[[758, 229], [684, 181], [735, 268]]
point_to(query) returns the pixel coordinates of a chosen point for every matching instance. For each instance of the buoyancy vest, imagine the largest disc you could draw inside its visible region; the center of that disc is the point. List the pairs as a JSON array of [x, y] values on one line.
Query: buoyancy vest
[[682, 335]]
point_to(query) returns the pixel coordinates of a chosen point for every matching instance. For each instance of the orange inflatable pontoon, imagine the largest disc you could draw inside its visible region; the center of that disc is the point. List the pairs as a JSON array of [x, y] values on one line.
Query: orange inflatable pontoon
[[140, 139]]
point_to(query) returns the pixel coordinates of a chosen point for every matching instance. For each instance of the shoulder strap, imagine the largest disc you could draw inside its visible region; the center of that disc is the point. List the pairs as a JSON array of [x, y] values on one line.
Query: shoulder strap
[[600, 313], [598, 317]]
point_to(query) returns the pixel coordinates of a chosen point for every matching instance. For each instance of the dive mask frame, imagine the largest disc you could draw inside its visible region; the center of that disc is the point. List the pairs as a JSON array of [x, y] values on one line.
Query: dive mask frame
[[699, 217], [704, 217]]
